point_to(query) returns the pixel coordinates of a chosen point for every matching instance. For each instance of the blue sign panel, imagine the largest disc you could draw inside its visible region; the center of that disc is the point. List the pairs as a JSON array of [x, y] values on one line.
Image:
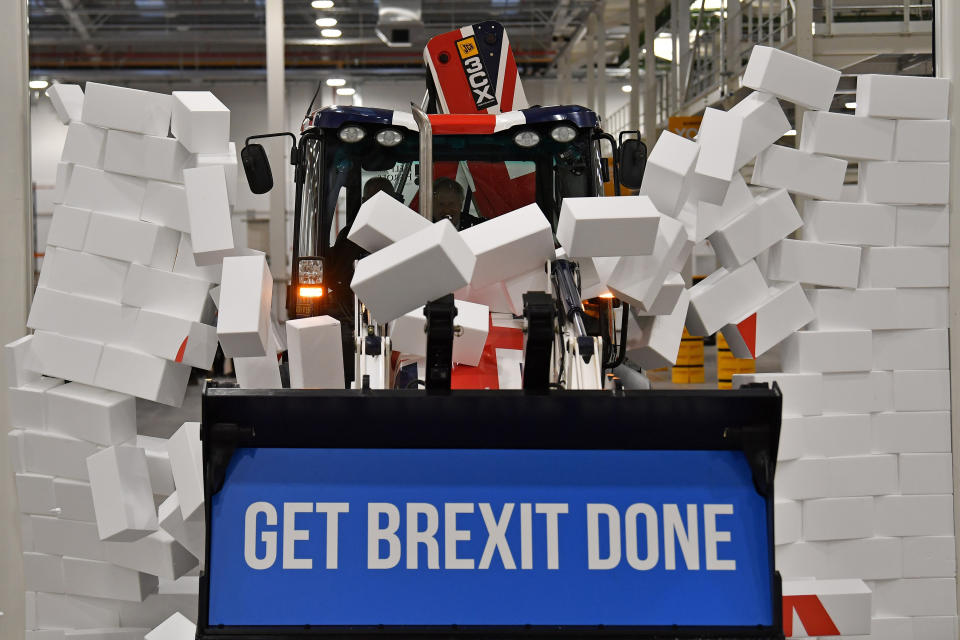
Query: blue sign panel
[[488, 537]]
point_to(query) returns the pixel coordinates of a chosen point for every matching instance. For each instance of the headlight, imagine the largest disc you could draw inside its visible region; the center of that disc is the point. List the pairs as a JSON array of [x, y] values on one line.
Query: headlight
[[563, 133], [310, 271], [389, 137], [527, 139], [352, 133]]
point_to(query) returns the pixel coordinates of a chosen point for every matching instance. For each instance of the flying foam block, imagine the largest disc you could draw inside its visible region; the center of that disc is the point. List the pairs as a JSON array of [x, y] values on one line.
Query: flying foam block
[[763, 123], [408, 333], [246, 291], [122, 494], [260, 372], [67, 100], [105, 192], [175, 339], [773, 218], [784, 311], [91, 414], [409, 273], [509, 245], [84, 145], [143, 375], [131, 240], [176, 627], [799, 172], [382, 220], [829, 265], [723, 297], [719, 140], [165, 292], [854, 223], [654, 341], [208, 208], [96, 579], [847, 136], [315, 350], [667, 178], [791, 77], [126, 109], [611, 226], [186, 462], [200, 122], [843, 605]]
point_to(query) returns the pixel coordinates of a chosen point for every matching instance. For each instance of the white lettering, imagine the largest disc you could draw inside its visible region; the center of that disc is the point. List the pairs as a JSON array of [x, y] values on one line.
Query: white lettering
[[594, 511], [526, 535], [552, 510], [269, 538], [333, 511], [496, 536], [426, 537], [452, 535], [673, 529], [712, 536], [291, 534], [375, 534], [632, 543]]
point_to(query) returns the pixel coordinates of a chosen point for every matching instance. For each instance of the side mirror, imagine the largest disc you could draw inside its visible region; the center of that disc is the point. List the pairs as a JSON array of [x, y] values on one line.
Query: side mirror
[[257, 167], [633, 162]]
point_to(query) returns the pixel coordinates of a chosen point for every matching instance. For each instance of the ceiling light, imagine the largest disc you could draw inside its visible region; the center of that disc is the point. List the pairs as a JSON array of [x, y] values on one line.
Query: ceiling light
[[626, 88], [326, 22], [38, 84], [346, 91], [850, 105], [331, 33], [336, 82], [322, 4]]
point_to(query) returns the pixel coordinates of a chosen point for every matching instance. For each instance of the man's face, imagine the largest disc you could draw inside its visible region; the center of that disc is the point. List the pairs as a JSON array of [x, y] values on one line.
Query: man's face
[[446, 203]]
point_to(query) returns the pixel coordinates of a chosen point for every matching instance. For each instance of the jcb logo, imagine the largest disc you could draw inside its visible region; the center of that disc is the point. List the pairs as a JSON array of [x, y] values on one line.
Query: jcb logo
[[476, 74]]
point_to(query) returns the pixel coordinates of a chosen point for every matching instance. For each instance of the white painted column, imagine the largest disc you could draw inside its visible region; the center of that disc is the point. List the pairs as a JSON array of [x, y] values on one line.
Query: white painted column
[[634, 65], [590, 68], [649, 74], [16, 284], [277, 122], [601, 62], [948, 66]]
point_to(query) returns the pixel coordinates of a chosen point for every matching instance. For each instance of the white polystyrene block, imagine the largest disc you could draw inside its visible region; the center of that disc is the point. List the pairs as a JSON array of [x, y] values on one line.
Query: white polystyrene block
[[474, 321], [910, 349], [654, 341], [158, 464], [382, 220], [131, 240], [176, 339], [494, 296], [16, 355], [83, 274], [67, 100], [802, 392], [165, 159], [81, 316], [105, 192], [763, 124], [787, 521], [772, 219], [909, 97], [666, 300], [637, 280], [846, 602], [143, 375], [186, 461], [56, 611], [165, 203], [408, 333], [413, 271], [800, 172], [227, 160], [792, 443], [200, 122], [124, 153], [934, 627], [814, 263], [882, 383], [908, 267], [837, 518], [925, 473], [63, 537], [536, 280], [922, 141], [870, 558], [782, 312], [791, 77], [158, 554], [923, 226], [165, 292], [870, 475], [246, 292], [62, 184], [854, 309], [185, 264], [827, 351], [74, 500], [707, 217], [215, 295], [611, 226], [65, 357], [911, 432], [69, 227], [35, 493], [121, 633], [56, 455], [88, 413], [84, 145], [847, 136], [799, 558], [917, 515], [905, 182], [719, 138], [837, 435], [95, 579], [126, 109], [921, 390], [26, 403], [208, 207], [723, 297], [122, 494], [259, 372], [916, 597], [176, 627], [190, 533], [850, 392], [15, 452], [929, 556], [42, 572], [315, 350], [854, 223], [509, 245], [667, 177], [802, 479]]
